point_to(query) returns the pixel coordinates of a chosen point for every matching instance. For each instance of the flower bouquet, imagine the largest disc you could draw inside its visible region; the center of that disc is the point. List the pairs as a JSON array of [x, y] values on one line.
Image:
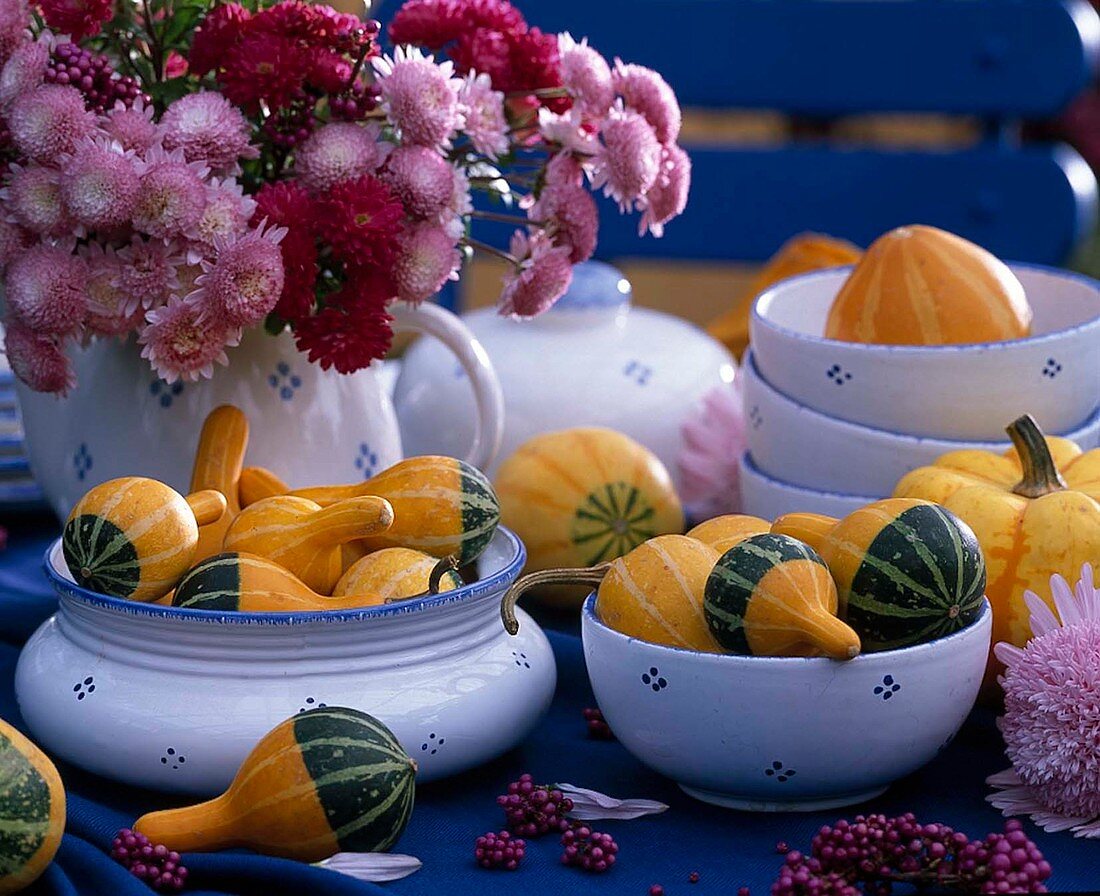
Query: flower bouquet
[[183, 170]]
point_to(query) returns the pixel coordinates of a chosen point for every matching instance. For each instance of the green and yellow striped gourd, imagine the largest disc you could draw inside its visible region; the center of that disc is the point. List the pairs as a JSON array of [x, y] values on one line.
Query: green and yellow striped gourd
[[325, 781], [394, 574]]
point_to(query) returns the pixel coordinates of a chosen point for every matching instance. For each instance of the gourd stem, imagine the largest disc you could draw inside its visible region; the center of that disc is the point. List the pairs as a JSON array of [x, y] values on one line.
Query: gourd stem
[[1041, 476], [589, 575]]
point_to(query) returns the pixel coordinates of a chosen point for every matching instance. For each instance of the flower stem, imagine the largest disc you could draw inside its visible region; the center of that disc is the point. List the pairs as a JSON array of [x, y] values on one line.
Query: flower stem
[[497, 216], [489, 250]]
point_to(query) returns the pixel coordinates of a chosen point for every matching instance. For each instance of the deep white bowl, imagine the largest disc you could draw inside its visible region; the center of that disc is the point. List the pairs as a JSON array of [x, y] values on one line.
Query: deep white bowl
[[175, 699], [765, 497], [784, 734], [951, 392], [798, 445]]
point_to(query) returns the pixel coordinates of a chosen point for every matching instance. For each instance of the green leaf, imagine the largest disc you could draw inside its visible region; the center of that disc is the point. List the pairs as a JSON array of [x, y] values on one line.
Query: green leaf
[[171, 90]]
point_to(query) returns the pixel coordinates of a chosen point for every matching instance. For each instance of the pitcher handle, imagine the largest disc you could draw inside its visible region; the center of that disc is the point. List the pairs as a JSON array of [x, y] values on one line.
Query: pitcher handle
[[454, 334]]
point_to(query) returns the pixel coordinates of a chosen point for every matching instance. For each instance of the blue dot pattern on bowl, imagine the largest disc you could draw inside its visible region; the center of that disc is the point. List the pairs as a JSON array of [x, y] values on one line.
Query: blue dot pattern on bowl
[[84, 688], [521, 659], [639, 372], [1052, 368], [432, 744], [888, 688], [311, 703], [173, 758], [653, 679], [285, 381], [777, 771], [838, 374]]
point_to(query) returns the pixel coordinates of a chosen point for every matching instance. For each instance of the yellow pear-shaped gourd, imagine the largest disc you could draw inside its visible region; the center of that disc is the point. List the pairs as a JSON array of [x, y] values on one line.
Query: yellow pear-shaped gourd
[[723, 532], [304, 537], [324, 781], [394, 574], [919, 285], [135, 537], [770, 595], [257, 483], [218, 461]]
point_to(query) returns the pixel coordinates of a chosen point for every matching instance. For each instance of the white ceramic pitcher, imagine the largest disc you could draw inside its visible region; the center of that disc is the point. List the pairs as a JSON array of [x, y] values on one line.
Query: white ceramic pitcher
[[308, 425]]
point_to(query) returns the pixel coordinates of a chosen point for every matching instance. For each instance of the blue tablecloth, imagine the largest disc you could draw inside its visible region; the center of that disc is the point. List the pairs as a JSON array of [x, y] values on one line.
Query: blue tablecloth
[[728, 849]]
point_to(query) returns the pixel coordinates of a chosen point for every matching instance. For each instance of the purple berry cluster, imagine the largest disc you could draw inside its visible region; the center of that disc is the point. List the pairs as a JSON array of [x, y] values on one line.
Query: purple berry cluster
[[292, 124], [598, 729], [355, 103], [874, 852], [501, 851], [92, 75], [588, 849], [157, 865], [534, 809]]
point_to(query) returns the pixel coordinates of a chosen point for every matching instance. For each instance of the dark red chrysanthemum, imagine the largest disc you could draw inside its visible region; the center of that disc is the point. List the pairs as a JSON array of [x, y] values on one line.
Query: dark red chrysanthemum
[[348, 334], [77, 18], [217, 34], [435, 23], [263, 66], [486, 51], [329, 72], [361, 219], [536, 65], [286, 204]]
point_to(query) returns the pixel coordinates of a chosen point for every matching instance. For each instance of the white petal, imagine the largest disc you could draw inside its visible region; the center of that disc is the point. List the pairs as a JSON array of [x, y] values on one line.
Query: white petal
[[1064, 603], [1090, 831], [1054, 823], [1006, 778], [1007, 653], [1042, 619], [372, 867], [589, 805]]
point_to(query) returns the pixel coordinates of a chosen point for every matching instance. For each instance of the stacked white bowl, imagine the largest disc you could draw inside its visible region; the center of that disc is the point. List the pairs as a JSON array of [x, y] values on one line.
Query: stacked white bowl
[[834, 425]]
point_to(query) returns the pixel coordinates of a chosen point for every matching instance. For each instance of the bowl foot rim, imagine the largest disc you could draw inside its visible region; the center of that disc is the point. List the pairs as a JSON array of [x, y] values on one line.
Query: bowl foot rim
[[747, 804]]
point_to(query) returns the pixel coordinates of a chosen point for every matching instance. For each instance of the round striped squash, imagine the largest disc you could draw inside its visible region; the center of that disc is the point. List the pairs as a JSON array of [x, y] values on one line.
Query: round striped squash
[[723, 532], [135, 537], [655, 593], [393, 574], [324, 781], [770, 595], [32, 810], [918, 285], [906, 570]]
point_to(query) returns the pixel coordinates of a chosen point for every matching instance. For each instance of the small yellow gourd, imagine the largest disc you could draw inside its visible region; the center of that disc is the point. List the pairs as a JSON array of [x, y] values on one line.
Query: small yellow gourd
[[257, 483], [305, 538], [723, 532], [218, 461], [393, 574], [771, 595], [135, 537]]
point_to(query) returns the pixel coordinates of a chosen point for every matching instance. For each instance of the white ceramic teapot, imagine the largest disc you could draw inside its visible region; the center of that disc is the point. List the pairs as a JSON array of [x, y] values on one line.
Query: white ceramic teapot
[[592, 360]]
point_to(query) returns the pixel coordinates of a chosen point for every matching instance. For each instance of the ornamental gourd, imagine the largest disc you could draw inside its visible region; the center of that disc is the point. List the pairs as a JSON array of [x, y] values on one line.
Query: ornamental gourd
[[723, 532], [32, 810], [394, 574], [218, 461], [583, 496], [1035, 510], [770, 595], [134, 537], [325, 781], [442, 506], [906, 571], [304, 537], [654, 593], [918, 285]]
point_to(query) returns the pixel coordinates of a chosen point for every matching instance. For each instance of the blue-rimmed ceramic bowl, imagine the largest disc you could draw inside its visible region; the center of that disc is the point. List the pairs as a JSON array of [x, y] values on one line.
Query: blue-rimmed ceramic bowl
[[174, 699], [784, 734], [768, 498], [952, 392]]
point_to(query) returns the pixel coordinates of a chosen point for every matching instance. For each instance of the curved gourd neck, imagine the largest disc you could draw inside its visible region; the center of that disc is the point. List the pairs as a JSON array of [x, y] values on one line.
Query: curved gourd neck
[[201, 828], [1041, 476], [812, 528]]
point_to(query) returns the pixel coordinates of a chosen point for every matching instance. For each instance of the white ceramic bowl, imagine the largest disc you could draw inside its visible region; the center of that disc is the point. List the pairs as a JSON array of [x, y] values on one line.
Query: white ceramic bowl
[[795, 444], [775, 734], [765, 497], [950, 392], [175, 699]]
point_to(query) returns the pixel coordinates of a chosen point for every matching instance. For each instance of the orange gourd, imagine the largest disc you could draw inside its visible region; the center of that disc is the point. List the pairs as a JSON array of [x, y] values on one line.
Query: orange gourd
[[723, 532], [304, 537], [919, 285], [218, 461], [394, 574]]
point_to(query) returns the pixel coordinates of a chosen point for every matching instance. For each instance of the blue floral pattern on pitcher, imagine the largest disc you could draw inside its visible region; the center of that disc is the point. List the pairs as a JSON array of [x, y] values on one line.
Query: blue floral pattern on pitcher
[[284, 381]]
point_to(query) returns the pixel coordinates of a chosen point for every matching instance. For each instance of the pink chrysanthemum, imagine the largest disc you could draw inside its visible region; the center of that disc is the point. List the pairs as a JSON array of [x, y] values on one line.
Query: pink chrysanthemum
[[427, 257], [207, 128], [132, 127], [340, 151], [668, 196], [46, 288], [564, 168], [460, 204], [421, 178], [240, 288], [172, 195], [13, 239], [77, 18], [570, 214], [713, 442], [49, 121], [586, 75], [15, 19], [286, 204], [37, 359], [420, 97], [483, 110], [1051, 723], [178, 346], [99, 184], [226, 215], [629, 161], [110, 310], [646, 92], [148, 274], [571, 131], [33, 198], [24, 71], [541, 276]]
